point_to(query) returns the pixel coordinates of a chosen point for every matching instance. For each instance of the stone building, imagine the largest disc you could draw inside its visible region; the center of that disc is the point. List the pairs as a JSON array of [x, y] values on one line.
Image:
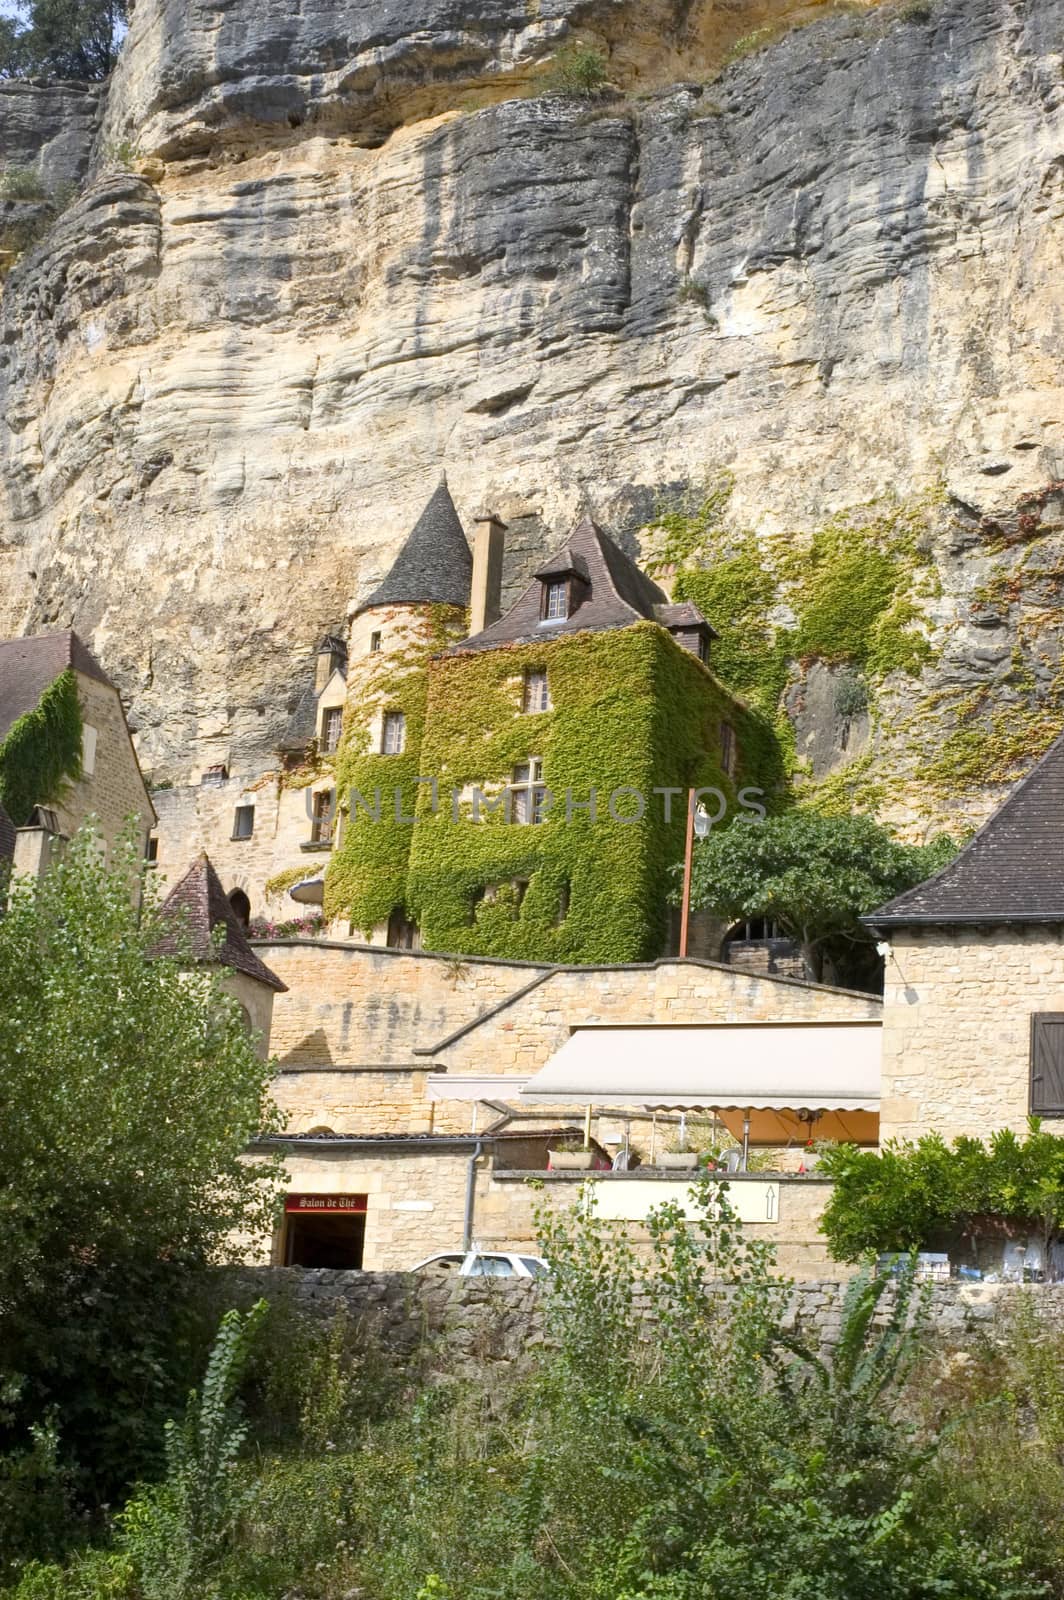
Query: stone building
[[402, 1077], [521, 791], [198, 907], [265, 829], [65, 750], [973, 1022]]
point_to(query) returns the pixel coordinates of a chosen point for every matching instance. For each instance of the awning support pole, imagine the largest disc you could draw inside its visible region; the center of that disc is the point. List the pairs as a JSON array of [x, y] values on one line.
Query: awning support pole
[[587, 1129], [685, 908], [746, 1138]]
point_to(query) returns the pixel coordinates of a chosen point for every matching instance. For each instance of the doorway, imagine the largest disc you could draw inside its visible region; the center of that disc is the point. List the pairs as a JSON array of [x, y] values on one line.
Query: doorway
[[325, 1231]]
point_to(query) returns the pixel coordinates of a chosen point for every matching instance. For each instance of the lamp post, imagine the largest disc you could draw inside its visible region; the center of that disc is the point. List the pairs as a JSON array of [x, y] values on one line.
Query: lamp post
[[697, 823]]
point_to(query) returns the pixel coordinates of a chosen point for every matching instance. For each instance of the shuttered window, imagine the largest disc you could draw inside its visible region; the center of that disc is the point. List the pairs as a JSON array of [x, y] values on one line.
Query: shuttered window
[[1047, 1064]]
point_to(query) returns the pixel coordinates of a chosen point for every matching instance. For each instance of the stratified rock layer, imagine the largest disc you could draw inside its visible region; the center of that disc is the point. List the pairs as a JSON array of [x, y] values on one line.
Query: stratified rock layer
[[227, 391]]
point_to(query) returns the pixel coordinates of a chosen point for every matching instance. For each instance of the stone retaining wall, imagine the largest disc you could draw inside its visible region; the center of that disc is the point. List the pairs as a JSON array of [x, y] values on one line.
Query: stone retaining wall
[[475, 1325]]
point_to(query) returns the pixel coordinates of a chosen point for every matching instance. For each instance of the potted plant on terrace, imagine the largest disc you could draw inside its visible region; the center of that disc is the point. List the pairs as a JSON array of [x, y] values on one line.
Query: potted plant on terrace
[[571, 1155]]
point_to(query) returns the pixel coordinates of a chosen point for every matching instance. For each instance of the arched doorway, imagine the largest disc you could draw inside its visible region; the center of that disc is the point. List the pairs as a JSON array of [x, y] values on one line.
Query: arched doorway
[[242, 907]]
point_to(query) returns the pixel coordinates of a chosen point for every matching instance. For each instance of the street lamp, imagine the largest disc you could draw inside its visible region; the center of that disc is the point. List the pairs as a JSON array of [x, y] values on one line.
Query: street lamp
[[698, 822]]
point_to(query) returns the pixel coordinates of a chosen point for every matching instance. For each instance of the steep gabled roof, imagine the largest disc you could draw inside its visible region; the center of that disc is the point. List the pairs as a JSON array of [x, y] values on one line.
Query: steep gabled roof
[[28, 666], [620, 594], [205, 906], [1011, 871], [434, 567]]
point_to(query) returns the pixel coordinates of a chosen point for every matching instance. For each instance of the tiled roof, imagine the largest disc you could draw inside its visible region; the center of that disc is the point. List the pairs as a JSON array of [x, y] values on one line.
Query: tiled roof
[[620, 594], [435, 566], [7, 837], [28, 666], [205, 905], [1011, 871], [684, 615]]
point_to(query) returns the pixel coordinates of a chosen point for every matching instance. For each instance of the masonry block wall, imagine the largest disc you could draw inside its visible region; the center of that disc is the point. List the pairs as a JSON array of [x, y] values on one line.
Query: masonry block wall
[[956, 1028], [200, 817], [114, 790]]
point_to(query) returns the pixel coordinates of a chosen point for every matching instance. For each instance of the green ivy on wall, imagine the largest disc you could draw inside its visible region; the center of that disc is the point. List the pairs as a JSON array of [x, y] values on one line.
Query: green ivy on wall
[[366, 878], [629, 709], [42, 750]]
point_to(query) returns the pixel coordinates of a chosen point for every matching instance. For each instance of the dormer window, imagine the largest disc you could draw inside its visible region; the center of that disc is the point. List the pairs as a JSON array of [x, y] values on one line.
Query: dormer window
[[556, 600]]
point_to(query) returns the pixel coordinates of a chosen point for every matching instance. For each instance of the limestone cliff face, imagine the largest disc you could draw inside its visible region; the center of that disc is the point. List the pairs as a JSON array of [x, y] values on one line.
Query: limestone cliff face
[[363, 245]]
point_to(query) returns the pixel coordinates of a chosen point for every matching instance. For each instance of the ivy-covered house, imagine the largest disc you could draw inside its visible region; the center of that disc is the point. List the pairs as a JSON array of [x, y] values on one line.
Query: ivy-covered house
[[536, 806], [65, 749]]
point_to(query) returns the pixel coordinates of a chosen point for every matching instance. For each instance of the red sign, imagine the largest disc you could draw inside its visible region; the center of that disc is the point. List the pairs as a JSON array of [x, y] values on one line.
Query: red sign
[[325, 1202]]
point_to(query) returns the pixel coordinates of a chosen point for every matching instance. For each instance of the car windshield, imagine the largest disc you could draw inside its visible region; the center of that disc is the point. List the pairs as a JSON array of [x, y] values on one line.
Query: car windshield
[[491, 1267]]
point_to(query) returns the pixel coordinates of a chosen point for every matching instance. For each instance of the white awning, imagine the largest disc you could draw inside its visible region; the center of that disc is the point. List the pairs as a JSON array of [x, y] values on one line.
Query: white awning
[[481, 1086], [794, 1066]]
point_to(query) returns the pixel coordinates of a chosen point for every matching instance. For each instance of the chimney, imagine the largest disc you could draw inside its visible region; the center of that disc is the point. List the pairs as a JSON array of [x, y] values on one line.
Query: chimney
[[486, 592], [330, 656]]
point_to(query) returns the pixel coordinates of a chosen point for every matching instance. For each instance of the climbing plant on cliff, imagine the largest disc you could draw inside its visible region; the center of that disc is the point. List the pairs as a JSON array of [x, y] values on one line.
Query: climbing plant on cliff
[[62, 38], [42, 750]]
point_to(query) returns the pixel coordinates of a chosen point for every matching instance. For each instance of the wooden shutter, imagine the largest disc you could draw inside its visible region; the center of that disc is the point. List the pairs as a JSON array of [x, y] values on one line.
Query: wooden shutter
[[1047, 1064]]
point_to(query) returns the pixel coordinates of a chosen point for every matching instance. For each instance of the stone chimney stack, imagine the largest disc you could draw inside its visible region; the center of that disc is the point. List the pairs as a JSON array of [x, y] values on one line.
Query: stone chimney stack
[[486, 589]]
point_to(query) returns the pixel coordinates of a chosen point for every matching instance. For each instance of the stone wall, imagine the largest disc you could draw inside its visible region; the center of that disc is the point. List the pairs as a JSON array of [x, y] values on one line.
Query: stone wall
[[521, 1035], [114, 790], [356, 1005], [477, 1325], [956, 1027]]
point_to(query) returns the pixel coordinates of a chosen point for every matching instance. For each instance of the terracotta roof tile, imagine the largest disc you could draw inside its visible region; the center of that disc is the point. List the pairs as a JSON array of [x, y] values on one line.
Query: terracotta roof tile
[[205, 905]]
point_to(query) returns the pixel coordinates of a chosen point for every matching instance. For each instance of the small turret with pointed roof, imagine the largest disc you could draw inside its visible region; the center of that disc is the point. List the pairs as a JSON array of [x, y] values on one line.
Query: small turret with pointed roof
[[435, 565], [202, 904]]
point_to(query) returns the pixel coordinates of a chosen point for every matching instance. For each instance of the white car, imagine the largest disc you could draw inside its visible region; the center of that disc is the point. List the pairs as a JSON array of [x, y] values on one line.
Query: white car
[[484, 1264]]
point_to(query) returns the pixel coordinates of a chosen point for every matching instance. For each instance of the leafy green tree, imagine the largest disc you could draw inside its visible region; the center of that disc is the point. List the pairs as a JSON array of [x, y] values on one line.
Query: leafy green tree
[[62, 38], [815, 876], [129, 1090]]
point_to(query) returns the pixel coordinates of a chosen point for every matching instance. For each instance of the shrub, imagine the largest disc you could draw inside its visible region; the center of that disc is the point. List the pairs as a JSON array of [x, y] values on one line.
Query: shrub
[[906, 1195], [22, 183], [579, 69]]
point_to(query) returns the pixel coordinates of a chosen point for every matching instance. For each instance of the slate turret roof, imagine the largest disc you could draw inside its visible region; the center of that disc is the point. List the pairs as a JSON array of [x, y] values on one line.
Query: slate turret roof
[[1012, 871], [435, 565], [28, 666], [202, 901], [619, 593]]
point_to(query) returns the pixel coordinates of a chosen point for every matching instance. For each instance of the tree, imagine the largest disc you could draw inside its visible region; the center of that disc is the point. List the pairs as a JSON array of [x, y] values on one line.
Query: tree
[[815, 876], [62, 38], [129, 1091]]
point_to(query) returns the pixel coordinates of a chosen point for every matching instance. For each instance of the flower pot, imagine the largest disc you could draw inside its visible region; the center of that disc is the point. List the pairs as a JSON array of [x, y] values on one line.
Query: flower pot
[[570, 1160], [679, 1160]]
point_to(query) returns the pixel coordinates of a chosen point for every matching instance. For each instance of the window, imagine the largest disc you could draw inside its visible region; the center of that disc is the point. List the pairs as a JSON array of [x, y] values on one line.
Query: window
[[529, 791], [537, 692], [728, 749], [520, 887], [555, 600], [374, 644], [565, 895], [88, 750], [331, 725], [243, 822], [703, 648], [402, 933], [151, 850], [393, 733], [321, 817], [1047, 1064]]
